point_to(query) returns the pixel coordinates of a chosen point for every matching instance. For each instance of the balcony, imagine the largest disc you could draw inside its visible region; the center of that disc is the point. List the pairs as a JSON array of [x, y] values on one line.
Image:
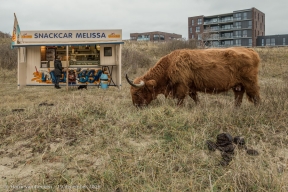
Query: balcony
[[210, 22], [248, 27], [211, 30], [237, 18], [213, 38], [237, 27], [227, 29], [241, 36], [219, 21], [225, 20], [227, 37]]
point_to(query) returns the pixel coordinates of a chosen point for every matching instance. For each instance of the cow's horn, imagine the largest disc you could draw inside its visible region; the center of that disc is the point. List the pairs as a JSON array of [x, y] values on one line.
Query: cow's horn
[[141, 84]]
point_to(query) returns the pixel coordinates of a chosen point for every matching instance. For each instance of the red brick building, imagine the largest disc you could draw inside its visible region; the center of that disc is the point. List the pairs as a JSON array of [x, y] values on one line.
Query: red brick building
[[238, 28], [155, 36]]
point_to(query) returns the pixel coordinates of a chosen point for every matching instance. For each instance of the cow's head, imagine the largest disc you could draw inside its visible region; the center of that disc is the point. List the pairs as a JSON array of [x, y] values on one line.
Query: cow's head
[[142, 92]]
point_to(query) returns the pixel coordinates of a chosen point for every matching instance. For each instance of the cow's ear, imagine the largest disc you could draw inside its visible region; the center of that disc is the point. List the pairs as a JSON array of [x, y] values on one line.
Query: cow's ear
[[151, 84]]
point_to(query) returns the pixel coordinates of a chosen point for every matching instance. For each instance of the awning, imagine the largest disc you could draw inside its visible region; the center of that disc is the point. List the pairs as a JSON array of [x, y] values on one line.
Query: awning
[[67, 43]]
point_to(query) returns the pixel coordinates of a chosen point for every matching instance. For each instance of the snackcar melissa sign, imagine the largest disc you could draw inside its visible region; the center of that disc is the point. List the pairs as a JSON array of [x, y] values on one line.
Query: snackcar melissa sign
[[69, 35], [84, 35]]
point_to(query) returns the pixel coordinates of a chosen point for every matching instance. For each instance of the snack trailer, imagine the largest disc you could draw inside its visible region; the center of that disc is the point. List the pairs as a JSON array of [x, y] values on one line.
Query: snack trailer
[[86, 55]]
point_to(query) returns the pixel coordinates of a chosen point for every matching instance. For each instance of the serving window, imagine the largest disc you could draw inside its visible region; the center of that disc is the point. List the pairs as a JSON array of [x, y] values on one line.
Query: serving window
[[77, 55], [48, 54]]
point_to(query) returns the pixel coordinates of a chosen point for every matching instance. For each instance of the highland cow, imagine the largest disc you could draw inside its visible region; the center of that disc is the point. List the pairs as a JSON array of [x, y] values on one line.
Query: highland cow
[[185, 72]]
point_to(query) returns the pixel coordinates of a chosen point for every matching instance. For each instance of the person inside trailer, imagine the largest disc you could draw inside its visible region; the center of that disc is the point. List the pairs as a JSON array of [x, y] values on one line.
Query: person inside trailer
[[58, 71]]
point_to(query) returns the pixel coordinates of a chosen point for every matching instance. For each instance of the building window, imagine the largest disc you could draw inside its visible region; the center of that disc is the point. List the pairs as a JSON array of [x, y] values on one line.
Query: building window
[[199, 21], [155, 37], [238, 42], [198, 29], [214, 28], [273, 41], [284, 43], [250, 24], [143, 38], [199, 37], [192, 36], [256, 24], [238, 25], [237, 16], [237, 34], [250, 42], [226, 27], [214, 20], [162, 38], [190, 29], [262, 42], [244, 33], [227, 35], [227, 43], [245, 15], [267, 42], [192, 22]]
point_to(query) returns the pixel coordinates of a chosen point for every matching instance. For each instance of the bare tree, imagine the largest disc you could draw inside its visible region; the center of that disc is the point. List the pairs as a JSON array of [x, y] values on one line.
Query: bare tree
[[8, 56], [205, 38]]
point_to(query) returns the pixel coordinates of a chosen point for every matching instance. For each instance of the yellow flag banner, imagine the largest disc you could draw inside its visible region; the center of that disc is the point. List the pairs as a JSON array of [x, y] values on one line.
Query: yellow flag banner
[[16, 32]]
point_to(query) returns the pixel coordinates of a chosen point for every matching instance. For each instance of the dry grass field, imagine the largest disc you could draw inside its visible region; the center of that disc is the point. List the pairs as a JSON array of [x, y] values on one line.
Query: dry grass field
[[95, 140]]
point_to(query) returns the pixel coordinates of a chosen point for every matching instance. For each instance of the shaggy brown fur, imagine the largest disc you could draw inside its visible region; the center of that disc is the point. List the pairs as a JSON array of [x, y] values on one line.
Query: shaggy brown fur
[[185, 72]]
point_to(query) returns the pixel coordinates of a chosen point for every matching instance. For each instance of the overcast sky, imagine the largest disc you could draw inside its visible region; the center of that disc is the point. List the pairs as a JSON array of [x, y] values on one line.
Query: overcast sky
[[131, 16]]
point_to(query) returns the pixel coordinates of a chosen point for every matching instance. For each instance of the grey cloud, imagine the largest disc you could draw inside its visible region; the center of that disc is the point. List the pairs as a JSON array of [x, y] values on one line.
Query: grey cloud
[[130, 15]]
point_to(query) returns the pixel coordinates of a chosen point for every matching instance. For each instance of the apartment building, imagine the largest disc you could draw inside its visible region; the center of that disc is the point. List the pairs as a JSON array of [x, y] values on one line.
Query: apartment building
[[155, 36], [272, 40], [238, 28]]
